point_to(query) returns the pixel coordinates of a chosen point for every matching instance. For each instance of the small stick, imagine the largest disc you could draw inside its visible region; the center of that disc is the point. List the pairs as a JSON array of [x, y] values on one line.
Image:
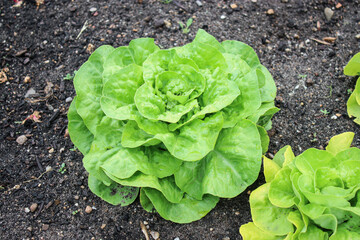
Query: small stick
[[84, 27], [144, 230], [180, 6], [320, 41], [40, 209]]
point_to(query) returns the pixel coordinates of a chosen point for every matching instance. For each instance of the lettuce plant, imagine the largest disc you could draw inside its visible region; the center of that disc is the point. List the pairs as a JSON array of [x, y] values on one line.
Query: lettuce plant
[[353, 104], [312, 196], [185, 125]]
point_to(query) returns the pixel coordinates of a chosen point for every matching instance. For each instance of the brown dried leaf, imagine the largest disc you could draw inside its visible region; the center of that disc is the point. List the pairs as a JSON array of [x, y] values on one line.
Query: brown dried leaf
[[3, 77], [48, 87], [34, 117]]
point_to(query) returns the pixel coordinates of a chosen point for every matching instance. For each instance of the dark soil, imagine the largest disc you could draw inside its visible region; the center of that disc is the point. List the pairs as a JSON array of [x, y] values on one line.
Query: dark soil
[[42, 44]]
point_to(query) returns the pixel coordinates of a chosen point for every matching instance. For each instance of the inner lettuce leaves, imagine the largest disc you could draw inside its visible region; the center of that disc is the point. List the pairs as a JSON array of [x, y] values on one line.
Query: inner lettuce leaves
[[183, 126], [353, 104], [315, 195]]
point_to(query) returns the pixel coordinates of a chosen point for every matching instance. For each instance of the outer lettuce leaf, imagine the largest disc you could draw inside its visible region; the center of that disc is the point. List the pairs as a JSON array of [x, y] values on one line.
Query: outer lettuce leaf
[[266, 84], [250, 231], [270, 169], [88, 85], [245, 51], [203, 37], [125, 162], [137, 51], [353, 104], [229, 169], [281, 193], [114, 193], [267, 216], [353, 66], [79, 133], [108, 133], [340, 142], [166, 185], [187, 210]]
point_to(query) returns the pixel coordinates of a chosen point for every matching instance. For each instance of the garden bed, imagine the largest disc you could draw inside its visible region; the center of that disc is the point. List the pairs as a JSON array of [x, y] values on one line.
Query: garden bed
[[41, 45]]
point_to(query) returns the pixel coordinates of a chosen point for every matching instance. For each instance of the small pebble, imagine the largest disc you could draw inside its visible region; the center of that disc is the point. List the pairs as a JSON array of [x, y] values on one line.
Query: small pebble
[[68, 99], [167, 23], [31, 92], [328, 13], [66, 134], [103, 226], [358, 36], [88, 209], [45, 227], [26, 61], [222, 16], [233, 6], [27, 79], [155, 235], [270, 12], [33, 207], [159, 23], [93, 9], [76, 197], [176, 238], [199, 3], [334, 117], [309, 82], [226, 238], [27, 210], [48, 168], [51, 150], [29, 229], [21, 139]]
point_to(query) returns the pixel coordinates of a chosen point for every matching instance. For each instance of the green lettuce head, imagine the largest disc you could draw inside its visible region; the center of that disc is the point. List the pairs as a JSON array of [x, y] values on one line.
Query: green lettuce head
[[353, 104], [185, 125], [312, 196]]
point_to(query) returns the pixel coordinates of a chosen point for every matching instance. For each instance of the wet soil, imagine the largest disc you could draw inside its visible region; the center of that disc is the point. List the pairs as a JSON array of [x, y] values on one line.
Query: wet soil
[[44, 44]]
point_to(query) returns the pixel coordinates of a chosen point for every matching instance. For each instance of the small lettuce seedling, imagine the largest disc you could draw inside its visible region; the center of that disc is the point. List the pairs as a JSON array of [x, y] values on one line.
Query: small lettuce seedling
[[182, 126], [353, 104], [186, 28], [315, 195]]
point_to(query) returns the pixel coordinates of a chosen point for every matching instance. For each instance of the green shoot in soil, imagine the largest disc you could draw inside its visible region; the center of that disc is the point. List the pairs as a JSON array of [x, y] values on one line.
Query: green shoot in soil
[[185, 29], [324, 111], [62, 169]]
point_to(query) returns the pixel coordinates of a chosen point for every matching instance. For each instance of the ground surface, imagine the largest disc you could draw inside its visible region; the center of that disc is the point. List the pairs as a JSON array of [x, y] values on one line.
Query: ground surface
[[43, 45]]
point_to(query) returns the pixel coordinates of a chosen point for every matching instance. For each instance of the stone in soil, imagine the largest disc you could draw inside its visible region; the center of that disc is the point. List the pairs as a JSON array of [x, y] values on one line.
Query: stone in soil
[[21, 139], [328, 13], [33, 207], [45, 227], [30, 93], [88, 209]]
